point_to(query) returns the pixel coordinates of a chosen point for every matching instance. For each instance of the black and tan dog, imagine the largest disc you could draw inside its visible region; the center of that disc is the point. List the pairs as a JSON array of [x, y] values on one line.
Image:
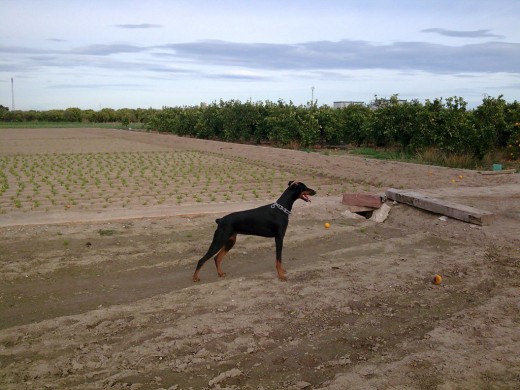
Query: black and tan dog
[[265, 221]]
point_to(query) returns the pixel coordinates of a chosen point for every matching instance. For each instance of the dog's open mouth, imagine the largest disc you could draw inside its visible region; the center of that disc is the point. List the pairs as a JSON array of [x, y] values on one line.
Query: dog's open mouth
[[305, 195]]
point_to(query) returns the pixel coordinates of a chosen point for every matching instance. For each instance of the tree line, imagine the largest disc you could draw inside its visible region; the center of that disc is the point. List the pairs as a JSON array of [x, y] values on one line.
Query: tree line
[[445, 124], [74, 114]]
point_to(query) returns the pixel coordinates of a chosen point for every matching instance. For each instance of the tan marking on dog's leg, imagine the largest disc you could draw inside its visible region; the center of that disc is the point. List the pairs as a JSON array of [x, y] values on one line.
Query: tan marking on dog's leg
[[223, 252], [218, 261], [281, 271]]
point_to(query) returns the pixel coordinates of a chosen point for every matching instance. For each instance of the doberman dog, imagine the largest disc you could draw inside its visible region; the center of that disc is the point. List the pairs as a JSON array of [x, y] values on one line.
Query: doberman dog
[[266, 221]]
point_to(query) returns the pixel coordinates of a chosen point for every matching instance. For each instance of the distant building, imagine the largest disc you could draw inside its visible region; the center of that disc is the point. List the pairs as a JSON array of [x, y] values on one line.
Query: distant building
[[343, 104], [381, 102]]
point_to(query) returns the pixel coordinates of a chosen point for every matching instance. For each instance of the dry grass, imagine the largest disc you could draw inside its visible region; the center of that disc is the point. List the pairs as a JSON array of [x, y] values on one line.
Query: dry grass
[[466, 161]]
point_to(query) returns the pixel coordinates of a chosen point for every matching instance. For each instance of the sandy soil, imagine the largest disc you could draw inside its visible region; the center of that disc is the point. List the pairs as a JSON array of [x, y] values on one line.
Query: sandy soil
[[102, 298]]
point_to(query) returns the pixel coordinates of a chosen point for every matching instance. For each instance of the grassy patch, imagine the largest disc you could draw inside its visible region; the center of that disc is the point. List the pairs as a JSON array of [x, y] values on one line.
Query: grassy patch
[[432, 156], [106, 232], [381, 154], [49, 125]]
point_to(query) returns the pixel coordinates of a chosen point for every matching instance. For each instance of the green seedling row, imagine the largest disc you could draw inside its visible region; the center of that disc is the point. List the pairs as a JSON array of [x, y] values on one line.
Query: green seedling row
[[96, 181]]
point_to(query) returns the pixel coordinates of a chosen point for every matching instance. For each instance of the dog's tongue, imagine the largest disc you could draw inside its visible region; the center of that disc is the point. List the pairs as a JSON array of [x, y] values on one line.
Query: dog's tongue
[[306, 198]]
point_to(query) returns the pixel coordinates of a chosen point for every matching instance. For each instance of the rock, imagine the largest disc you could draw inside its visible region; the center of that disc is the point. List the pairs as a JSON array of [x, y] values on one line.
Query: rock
[[234, 372], [42, 369], [351, 215], [381, 214], [302, 385], [360, 209], [202, 353]]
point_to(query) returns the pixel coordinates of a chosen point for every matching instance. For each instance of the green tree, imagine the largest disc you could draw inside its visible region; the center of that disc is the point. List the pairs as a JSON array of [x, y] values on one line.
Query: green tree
[[490, 124], [355, 121], [73, 114], [210, 122]]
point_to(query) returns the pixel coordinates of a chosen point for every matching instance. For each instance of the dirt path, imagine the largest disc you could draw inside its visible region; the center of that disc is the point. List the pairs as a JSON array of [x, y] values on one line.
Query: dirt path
[[92, 300]]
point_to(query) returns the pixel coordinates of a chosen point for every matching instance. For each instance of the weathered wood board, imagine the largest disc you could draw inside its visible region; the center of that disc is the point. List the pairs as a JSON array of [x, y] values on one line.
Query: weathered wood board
[[502, 172], [444, 207]]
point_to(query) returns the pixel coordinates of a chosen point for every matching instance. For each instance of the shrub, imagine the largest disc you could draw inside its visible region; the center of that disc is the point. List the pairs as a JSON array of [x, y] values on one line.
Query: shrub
[[354, 122], [330, 124], [490, 124], [73, 114], [209, 124], [513, 145], [282, 123]]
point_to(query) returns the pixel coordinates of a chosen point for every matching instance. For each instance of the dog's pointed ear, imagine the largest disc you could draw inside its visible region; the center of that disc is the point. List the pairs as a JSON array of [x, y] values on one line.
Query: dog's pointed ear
[[290, 183]]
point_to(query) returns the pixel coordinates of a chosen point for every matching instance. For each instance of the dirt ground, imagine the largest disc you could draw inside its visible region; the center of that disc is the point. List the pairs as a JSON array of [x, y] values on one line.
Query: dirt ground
[[102, 298]]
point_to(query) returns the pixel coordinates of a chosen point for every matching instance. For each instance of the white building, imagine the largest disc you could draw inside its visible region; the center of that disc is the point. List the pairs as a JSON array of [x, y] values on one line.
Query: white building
[[343, 104]]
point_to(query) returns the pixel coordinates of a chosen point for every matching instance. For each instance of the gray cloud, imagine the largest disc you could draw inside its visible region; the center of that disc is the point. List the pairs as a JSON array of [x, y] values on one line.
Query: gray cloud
[[243, 77], [322, 56], [94, 86], [463, 34], [138, 26], [91, 50], [56, 40], [25, 50], [348, 54], [105, 50]]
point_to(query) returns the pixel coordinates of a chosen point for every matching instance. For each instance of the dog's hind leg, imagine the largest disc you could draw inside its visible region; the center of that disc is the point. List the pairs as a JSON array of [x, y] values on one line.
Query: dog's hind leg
[[223, 252], [219, 239]]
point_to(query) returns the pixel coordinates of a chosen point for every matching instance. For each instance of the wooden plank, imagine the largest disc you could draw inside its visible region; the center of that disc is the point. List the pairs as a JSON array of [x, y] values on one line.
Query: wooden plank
[[502, 172], [444, 207], [362, 200]]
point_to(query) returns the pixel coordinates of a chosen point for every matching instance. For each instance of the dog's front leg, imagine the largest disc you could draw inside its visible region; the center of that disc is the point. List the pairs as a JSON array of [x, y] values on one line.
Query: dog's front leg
[[279, 269]]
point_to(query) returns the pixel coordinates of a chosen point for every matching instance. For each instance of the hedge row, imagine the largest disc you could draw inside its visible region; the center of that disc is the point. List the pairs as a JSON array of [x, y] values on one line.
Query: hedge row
[[74, 114], [443, 124]]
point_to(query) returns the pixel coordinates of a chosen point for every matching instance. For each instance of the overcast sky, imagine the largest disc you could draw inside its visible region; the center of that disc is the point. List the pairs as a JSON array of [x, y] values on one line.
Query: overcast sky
[[114, 53]]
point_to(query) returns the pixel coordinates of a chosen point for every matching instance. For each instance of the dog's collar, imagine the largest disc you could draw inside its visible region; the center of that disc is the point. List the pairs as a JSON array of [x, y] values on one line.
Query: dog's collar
[[281, 208]]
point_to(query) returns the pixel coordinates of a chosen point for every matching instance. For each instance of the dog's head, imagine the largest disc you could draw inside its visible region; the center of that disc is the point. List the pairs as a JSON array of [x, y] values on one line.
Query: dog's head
[[301, 190]]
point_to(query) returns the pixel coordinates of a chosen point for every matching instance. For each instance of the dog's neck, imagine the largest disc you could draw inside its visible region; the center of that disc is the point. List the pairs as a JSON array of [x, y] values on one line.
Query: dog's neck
[[288, 198]]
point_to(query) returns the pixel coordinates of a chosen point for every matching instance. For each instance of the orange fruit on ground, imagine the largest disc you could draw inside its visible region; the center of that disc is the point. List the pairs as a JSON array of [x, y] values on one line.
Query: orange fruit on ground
[[437, 279], [327, 225]]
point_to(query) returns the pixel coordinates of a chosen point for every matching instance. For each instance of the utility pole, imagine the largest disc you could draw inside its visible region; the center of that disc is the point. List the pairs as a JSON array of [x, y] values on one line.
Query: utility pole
[[312, 96], [12, 94]]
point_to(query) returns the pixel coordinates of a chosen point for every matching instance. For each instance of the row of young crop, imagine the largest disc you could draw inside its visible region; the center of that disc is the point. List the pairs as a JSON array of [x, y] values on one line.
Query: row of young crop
[[134, 179], [447, 125]]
